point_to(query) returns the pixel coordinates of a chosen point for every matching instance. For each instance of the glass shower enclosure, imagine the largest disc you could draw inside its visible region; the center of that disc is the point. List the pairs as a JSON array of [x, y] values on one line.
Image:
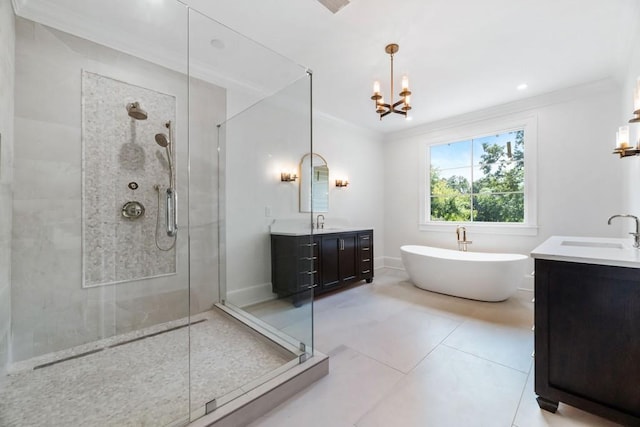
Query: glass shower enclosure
[[147, 146]]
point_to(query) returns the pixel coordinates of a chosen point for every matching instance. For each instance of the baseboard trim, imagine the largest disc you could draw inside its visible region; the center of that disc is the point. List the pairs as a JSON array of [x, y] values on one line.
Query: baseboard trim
[[394, 263], [251, 295]]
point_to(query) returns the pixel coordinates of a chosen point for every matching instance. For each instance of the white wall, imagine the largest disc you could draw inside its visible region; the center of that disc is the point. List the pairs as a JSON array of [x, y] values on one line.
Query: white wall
[[631, 165], [273, 136], [50, 309], [578, 179], [358, 154], [7, 66]]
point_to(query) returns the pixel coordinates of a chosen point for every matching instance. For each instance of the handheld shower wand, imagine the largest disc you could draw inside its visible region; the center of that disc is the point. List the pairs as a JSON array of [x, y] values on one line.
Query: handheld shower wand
[[171, 199]]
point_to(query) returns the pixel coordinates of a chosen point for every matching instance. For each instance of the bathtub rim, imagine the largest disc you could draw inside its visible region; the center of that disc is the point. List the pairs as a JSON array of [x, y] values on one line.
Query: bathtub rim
[[453, 254]]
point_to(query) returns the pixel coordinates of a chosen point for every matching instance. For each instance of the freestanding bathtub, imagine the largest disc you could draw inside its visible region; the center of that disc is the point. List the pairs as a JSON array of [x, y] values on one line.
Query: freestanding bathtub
[[475, 275]]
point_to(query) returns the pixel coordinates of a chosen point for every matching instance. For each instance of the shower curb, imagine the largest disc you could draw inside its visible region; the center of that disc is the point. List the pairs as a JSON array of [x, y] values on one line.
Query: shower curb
[[254, 404]]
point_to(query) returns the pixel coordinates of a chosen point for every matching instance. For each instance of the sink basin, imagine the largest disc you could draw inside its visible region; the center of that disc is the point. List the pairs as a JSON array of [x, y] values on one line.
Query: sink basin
[[586, 244]]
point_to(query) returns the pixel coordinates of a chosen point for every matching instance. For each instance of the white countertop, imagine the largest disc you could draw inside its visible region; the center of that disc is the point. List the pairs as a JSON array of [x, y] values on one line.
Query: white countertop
[[590, 250], [301, 231]]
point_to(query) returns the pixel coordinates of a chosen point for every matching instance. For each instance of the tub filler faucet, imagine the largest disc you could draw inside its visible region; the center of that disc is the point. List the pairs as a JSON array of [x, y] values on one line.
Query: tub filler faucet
[[636, 235], [461, 233]]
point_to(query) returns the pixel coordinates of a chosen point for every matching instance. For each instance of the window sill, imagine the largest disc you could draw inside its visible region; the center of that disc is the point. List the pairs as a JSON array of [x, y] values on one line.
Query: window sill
[[482, 228]]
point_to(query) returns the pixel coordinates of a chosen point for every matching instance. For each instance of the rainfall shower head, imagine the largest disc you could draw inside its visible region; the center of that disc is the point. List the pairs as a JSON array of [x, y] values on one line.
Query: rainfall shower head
[[136, 112], [162, 139]]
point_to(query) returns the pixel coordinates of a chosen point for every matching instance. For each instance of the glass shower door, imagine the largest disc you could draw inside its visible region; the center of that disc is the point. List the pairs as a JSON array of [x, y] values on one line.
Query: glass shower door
[[249, 115]]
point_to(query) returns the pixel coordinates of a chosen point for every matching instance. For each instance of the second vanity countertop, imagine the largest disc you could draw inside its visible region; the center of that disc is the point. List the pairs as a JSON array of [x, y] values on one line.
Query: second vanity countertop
[[589, 250]]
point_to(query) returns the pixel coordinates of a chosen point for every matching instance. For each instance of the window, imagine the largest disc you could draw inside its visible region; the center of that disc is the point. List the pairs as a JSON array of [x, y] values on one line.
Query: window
[[480, 179], [485, 180]]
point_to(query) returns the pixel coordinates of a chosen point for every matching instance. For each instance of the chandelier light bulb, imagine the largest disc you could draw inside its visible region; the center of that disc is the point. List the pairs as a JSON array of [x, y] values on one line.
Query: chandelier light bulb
[[405, 82], [376, 87]]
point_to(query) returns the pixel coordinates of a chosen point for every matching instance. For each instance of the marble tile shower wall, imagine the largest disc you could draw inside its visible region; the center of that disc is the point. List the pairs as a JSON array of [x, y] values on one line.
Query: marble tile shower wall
[[50, 309], [119, 151], [7, 64]]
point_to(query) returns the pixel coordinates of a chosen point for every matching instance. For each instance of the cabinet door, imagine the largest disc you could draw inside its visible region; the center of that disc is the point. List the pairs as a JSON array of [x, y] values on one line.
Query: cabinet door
[[348, 256], [329, 276], [587, 350]]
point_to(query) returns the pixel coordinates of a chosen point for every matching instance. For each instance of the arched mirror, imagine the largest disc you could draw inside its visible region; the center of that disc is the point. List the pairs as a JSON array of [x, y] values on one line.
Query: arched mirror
[[314, 184]]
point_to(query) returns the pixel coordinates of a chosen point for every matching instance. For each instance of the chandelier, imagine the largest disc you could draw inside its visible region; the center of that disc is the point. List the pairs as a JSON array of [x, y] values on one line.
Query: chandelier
[[404, 104]]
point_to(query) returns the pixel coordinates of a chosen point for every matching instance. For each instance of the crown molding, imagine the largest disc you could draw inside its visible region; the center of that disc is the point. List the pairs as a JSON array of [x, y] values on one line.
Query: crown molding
[[519, 106]]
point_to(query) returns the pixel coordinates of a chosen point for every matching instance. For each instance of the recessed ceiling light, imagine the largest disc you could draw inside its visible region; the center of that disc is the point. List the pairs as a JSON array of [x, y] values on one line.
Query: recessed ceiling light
[[522, 86], [217, 43]]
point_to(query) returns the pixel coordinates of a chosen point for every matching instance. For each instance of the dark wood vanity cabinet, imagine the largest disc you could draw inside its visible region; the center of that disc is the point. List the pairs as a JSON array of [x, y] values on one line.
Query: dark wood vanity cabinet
[[326, 261], [587, 338]]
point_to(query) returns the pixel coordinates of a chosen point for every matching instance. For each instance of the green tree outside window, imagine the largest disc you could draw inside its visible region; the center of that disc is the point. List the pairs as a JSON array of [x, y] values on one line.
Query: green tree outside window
[[479, 180]]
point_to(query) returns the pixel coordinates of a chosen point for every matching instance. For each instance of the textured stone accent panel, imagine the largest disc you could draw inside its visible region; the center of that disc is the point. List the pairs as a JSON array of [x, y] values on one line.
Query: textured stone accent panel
[[118, 150]]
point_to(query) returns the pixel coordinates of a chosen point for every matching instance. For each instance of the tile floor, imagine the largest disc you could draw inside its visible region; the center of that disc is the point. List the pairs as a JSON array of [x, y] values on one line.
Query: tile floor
[[401, 356]]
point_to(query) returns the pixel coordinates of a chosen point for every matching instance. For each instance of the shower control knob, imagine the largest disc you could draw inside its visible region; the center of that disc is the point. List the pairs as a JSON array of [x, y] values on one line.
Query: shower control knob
[[132, 210]]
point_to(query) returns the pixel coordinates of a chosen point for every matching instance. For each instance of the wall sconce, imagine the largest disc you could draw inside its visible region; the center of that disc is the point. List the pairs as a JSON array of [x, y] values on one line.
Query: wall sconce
[[636, 103], [288, 176], [623, 148], [342, 182]]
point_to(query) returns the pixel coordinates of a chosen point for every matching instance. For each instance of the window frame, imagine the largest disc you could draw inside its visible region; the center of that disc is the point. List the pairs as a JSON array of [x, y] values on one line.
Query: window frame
[[529, 227]]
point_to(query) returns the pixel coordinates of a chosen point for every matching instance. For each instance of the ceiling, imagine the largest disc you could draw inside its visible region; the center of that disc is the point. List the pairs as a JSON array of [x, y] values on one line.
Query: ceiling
[[460, 56]]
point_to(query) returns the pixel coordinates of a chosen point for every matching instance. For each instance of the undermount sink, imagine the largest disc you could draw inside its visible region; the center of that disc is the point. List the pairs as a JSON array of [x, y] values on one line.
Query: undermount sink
[[587, 244]]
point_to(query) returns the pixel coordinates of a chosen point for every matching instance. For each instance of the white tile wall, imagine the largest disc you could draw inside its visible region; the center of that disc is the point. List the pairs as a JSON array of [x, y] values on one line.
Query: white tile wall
[[51, 310], [7, 65]]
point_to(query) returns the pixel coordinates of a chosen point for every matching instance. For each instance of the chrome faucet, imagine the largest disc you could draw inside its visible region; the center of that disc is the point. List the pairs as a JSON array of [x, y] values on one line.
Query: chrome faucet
[[636, 235], [461, 233], [318, 223]]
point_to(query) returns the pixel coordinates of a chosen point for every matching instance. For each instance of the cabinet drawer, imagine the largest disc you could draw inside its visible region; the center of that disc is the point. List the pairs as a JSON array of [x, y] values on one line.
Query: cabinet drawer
[[306, 279], [366, 266], [307, 247], [307, 250], [365, 241]]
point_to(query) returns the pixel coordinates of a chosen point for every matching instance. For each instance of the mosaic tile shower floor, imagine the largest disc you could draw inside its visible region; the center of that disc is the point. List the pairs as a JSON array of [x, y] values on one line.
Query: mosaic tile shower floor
[[144, 382]]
